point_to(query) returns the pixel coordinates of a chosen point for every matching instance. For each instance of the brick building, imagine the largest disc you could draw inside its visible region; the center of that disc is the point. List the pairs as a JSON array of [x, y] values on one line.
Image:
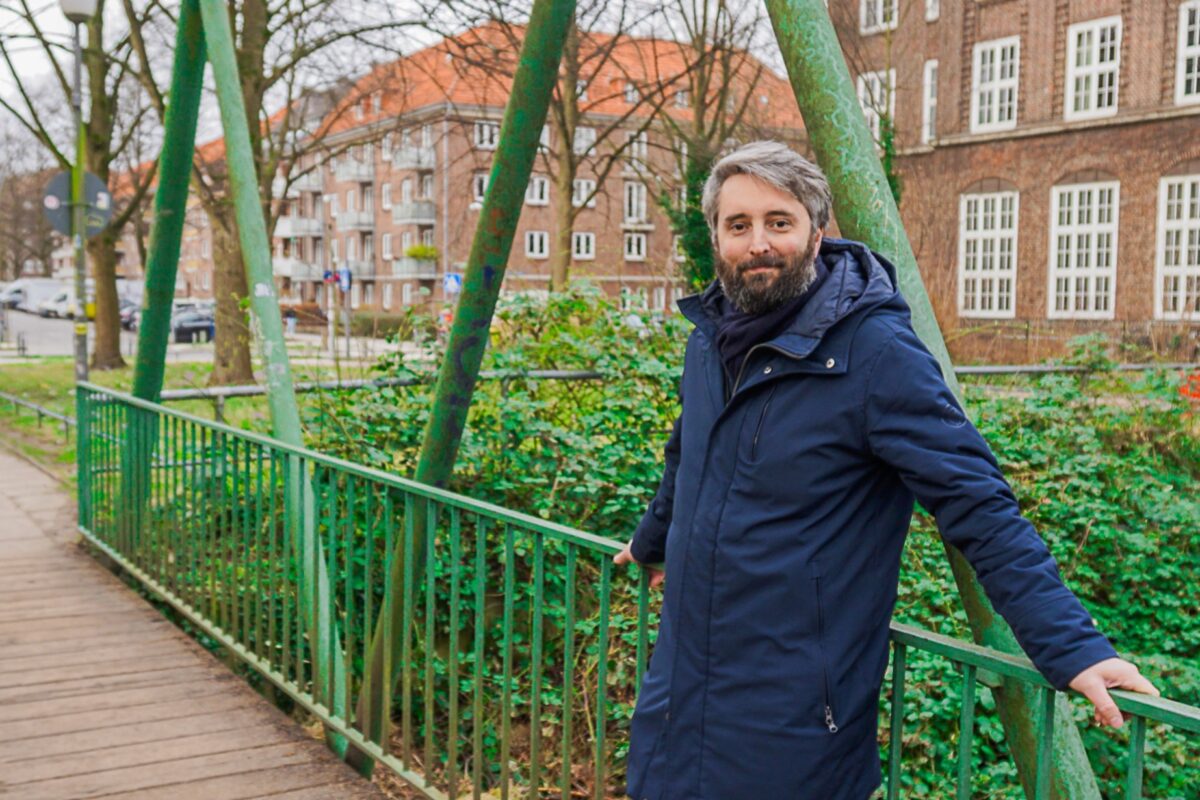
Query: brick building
[[1050, 156]]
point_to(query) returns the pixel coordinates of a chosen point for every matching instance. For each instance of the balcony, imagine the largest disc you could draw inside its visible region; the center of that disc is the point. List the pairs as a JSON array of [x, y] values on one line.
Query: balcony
[[291, 227], [424, 269], [356, 221], [296, 269], [306, 183], [359, 268], [357, 171], [421, 212], [414, 158]]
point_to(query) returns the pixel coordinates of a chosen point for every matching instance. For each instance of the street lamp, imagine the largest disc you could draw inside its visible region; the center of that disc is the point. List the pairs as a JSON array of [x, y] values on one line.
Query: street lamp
[[79, 12]]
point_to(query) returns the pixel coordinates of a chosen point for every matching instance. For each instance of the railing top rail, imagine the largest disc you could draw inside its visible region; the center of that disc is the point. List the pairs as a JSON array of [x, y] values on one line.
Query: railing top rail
[[1158, 709], [45, 412], [600, 543]]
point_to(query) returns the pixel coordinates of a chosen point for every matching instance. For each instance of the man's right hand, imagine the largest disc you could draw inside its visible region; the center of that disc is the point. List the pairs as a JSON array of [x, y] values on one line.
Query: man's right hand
[[626, 557]]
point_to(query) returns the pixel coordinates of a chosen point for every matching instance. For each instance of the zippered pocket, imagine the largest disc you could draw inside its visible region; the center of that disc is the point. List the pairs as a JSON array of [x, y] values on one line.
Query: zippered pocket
[[761, 419], [830, 723]]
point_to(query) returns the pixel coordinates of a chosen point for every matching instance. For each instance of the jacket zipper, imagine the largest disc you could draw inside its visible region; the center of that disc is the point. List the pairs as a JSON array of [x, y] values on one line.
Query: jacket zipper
[[762, 418], [829, 721]]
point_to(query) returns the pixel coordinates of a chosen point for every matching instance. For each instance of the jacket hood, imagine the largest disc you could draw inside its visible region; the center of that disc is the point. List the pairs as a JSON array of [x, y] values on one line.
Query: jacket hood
[[858, 278]]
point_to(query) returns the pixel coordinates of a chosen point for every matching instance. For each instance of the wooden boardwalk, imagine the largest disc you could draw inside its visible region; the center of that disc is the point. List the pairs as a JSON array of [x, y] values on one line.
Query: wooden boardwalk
[[100, 696]]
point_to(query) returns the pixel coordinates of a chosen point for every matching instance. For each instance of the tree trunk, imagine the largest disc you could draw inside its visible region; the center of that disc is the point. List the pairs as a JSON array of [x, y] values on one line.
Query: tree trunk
[[568, 117], [106, 352], [231, 350], [564, 223]]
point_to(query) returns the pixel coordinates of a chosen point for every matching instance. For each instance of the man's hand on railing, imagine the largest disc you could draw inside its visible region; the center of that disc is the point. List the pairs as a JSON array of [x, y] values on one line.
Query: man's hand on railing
[[1111, 673], [626, 557]]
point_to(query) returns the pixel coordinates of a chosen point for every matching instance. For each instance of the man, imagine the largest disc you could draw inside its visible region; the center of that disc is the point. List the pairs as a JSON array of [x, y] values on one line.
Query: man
[[812, 418]]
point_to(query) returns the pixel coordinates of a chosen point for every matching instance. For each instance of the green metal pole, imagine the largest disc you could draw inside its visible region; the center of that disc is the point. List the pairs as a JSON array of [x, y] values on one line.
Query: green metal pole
[[281, 397], [524, 116], [170, 202], [866, 211]]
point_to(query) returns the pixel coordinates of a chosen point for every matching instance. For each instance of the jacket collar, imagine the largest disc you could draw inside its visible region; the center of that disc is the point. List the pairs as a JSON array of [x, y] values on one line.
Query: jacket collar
[[858, 278]]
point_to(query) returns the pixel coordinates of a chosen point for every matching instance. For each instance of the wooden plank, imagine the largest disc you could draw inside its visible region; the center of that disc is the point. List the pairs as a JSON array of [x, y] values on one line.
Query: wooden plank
[[13, 650], [273, 782], [93, 654], [196, 685], [93, 721], [130, 666], [86, 686], [79, 622], [154, 624]]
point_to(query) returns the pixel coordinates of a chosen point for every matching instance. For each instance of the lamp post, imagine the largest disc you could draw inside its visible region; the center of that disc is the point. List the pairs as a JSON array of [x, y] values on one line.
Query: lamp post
[[79, 12]]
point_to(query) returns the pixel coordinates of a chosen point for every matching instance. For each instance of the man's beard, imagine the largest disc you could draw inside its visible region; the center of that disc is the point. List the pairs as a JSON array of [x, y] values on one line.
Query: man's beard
[[758, 294]]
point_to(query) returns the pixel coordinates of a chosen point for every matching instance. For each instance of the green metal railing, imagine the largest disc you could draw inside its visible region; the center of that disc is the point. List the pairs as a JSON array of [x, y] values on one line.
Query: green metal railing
[[520, 648]]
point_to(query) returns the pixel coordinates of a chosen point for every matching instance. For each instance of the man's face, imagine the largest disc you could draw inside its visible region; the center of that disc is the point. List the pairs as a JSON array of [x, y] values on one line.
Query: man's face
[[766, 245]]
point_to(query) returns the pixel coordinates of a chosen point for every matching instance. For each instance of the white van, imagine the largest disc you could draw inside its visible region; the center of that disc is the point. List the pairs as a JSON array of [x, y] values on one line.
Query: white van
[[27, 294]]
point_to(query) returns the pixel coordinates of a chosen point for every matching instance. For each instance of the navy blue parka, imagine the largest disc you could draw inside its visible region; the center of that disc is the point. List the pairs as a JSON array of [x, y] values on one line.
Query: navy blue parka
[[782, 512]]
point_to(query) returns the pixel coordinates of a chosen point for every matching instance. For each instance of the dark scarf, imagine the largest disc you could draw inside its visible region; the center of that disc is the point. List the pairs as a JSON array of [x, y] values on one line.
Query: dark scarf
[[738, 332]]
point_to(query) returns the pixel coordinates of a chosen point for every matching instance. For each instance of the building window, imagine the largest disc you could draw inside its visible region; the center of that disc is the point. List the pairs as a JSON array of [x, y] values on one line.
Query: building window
[[635, 202], [631, 93], [427, 237], [333, 251], [635, 247], [351, 248], [681, 98], [386, 154], [368, 198], [877, 96], [406, 241], [660, 298], [583, 189], [406, 294], [479, 184], [929, 103], [1177, 289], [1187, 64], [635, 150], [994, 85], [388, 291], [333, 206], [427, 186], [355, 295], [677, 248], [386, 244], [385, 196], [1093, 67], [933, 10], [583, 246], [877, 15], [537, 244], [368, 247], [544, 139], [987, 247], [351, 200], [406, 189], [585, 140], [427, 135], [537, 192], [368, 293], [487, 134], [581, 90], [1083, 250]]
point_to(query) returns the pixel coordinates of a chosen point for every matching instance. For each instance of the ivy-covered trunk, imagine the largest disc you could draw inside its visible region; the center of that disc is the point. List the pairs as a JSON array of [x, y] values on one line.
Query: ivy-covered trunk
[[231, 350]]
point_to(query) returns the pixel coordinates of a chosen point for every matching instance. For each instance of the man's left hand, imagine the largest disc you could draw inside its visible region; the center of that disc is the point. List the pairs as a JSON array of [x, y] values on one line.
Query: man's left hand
[[1111, 673]]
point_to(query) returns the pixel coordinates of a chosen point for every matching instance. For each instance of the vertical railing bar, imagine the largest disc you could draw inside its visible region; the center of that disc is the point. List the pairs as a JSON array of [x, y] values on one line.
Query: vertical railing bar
[[568, 692], [1137, 754], [602, 675], [209, 468], [273, 632], [506, 688], [535, 700], [406, 631], [452, 690], [288, 551], [1045, 760], [236, 543], [643, 623], [388, 631], [431, 512], [369, 603], [896, 742], [480, 622], [966, 732], [259, 644], [249, 581], [349, 549]]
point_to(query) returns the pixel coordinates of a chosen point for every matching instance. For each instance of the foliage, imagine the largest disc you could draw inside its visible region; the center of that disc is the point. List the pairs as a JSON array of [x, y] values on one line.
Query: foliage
[[887, 156], [688, 223], [422, 252]]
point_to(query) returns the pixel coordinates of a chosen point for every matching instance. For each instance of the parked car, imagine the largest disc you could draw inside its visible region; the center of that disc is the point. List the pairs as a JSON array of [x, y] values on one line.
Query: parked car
[[194, 323], [129, 313], [27, 293], [57, 304]]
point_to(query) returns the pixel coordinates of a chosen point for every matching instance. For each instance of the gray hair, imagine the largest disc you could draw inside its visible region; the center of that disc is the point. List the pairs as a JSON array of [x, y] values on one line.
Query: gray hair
[[777, 164]]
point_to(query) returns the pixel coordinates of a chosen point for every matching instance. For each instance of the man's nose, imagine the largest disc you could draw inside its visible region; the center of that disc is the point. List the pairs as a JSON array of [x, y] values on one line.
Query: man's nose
[[758, 242]]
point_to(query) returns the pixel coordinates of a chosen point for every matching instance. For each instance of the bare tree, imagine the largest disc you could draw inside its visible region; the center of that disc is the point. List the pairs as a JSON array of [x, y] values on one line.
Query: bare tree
[[26, 238], [115, 115]]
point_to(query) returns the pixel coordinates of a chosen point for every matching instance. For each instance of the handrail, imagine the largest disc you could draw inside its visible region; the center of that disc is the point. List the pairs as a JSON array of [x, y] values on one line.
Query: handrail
[[514, 620]]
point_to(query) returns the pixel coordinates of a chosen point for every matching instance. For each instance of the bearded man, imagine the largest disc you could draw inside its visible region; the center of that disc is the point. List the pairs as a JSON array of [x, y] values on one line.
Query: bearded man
[[812, 418]]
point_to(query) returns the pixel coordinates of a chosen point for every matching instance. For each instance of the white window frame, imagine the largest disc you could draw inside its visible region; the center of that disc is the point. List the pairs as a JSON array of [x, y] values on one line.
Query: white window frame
[[1086, 79], [406, 190], [355, 294], [427, 186], [659, 303], [581, 188], [386, 245], [681, 98], [1187, 54], [929, 101], [635, 246], [581, 87], [487, 134], [976, 236], [1178, 226], [386, 153], [427, 237], [631, 93], [537, 191], [406, 294], [870, 85], [1082, 236], [479, 183], [427, 135], [584, 140], [996, 89], [385, 196], [537, 245], [368, 293], [636, 148], [583, 246], [634, 211], [389, 289], [351, 200], [333, 251], [406, 241], [873, 16], [933, 10]]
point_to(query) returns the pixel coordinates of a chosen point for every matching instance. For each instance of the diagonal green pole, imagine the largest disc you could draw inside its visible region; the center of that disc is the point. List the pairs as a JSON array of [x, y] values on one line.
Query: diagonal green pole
[[866, 211], [524, 116], [281, 398]]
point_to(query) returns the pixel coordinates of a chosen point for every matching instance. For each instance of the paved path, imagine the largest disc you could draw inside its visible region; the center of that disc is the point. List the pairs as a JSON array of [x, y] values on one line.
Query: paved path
[[100, 696]]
